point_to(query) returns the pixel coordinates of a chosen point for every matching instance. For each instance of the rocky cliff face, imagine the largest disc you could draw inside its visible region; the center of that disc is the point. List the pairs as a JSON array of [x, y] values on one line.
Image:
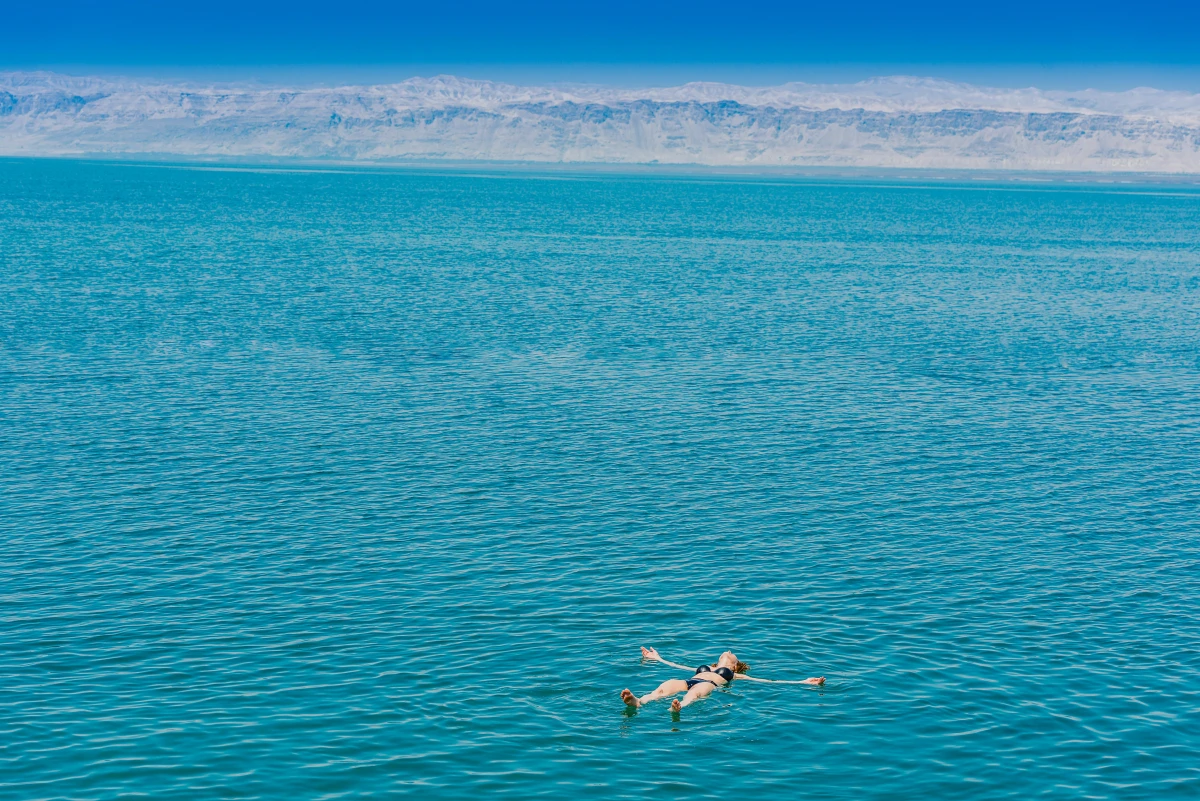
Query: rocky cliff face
[[885, 123]]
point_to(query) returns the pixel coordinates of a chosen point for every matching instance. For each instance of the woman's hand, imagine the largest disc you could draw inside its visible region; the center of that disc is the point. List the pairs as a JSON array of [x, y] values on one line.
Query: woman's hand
[[650, 653]]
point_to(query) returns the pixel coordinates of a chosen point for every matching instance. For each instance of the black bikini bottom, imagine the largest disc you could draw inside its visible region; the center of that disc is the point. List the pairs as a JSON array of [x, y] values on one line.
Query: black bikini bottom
[[693, 682]]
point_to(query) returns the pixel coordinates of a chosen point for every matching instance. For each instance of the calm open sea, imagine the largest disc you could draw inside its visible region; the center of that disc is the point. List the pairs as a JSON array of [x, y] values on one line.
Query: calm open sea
[[325, 485]]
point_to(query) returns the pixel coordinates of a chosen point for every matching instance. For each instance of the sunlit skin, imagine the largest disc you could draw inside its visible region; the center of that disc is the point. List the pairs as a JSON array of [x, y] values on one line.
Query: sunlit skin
[[709, 682]]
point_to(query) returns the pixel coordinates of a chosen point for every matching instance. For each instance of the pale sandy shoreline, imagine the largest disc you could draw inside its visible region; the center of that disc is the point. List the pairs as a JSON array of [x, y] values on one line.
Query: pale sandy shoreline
[[804, 174]]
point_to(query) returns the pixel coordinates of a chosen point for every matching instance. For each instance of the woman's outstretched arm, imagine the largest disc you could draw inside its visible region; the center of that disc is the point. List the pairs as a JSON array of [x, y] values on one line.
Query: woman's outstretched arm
[[818, 680], [653, 656]]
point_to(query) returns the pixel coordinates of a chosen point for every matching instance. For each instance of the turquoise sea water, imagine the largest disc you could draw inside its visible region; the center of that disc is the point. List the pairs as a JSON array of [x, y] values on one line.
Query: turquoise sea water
[[322, 485]]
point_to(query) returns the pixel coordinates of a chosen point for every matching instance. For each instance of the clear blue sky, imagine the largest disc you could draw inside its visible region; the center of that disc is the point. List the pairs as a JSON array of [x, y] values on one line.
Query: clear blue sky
[[617, 41]]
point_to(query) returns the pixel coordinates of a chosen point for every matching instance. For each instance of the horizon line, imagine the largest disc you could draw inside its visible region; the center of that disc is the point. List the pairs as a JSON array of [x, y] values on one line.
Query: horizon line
[[1100, 77]]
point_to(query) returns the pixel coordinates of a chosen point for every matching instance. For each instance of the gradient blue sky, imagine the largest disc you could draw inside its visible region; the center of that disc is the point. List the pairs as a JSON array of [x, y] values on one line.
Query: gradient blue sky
[[1112, 45]]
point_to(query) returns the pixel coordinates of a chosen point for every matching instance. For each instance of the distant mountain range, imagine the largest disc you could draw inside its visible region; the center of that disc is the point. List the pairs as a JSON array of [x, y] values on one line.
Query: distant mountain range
[[886, 122]]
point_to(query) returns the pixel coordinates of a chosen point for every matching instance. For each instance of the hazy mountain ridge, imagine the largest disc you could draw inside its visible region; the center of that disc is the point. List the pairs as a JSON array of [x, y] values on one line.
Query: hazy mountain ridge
[[893, 122]]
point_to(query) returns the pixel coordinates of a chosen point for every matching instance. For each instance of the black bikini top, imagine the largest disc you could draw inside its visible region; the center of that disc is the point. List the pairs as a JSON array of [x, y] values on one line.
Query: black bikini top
[[723, 672]]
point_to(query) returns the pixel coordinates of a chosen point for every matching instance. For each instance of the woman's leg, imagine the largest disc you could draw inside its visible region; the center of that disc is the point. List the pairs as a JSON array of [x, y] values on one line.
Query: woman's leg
[[701, 690], [669, 687]]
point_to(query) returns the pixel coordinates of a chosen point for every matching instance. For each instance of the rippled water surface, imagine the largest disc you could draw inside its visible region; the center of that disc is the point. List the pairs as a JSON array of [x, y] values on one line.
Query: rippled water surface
[[322, 485]]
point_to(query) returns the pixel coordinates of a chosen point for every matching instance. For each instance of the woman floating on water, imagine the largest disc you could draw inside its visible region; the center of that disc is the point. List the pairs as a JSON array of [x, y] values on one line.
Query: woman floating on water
[[701, 685]]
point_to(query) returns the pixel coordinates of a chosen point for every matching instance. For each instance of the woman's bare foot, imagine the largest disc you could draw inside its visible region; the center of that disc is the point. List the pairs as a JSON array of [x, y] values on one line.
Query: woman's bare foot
[[675, 705], [629, 698], [817, 681]]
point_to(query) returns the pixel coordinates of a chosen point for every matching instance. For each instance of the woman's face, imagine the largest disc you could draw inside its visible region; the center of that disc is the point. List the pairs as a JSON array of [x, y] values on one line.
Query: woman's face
[[727, 659]]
